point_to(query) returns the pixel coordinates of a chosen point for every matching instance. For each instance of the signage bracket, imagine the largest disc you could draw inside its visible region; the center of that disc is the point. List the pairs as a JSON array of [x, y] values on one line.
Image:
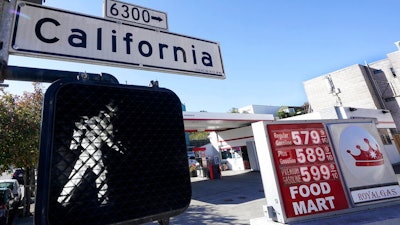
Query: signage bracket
[[48, 76]]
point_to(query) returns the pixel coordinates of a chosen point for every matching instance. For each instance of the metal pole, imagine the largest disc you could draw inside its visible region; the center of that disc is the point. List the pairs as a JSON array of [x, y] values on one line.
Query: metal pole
[[7, 7], [46, 75]]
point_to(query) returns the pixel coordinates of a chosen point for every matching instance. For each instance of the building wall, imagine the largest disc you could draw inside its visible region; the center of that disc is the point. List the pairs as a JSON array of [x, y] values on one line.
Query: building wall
[[390, 88], [351, 87], [373, 86]]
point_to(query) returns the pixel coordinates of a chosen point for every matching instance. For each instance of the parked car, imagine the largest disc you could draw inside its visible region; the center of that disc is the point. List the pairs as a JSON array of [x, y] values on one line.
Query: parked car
[[13, 185], [7, 204], [19, 175]]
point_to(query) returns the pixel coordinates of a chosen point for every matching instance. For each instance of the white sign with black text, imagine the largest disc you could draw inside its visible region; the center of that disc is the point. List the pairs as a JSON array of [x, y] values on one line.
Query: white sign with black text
[[57, 34], [135, 14]]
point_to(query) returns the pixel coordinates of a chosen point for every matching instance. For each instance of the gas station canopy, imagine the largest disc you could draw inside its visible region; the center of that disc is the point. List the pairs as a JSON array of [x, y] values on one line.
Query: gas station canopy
[[205, 121]]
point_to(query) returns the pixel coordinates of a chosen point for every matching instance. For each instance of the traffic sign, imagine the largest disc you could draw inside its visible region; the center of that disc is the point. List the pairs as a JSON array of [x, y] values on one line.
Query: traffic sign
[[58, 34], [135, 14], [111, 154]]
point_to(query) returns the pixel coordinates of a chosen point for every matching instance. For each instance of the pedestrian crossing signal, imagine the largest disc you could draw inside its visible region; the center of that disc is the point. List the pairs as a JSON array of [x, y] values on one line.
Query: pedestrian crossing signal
[[111, 153]]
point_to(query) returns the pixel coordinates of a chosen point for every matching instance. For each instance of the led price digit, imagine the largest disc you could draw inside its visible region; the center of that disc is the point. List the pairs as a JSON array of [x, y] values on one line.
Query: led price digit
[[315, 138], [316, 173], [326, 173], [320, 154], [305, 174], [310, 155], [298, 140], [301, 157]]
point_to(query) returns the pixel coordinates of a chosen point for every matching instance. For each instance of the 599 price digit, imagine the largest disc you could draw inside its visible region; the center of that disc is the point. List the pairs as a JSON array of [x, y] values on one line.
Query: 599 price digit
[[315, 173]]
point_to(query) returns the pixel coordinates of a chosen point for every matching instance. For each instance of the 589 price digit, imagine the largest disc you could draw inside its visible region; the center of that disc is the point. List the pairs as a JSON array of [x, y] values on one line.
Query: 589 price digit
[[311, 155]]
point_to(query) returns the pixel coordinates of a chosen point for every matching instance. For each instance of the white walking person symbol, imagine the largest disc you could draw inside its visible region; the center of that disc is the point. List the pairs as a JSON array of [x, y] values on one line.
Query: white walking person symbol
[[89, 135]]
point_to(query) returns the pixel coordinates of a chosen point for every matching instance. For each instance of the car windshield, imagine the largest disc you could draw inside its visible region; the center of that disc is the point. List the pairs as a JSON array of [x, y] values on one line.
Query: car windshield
[[6, 185]]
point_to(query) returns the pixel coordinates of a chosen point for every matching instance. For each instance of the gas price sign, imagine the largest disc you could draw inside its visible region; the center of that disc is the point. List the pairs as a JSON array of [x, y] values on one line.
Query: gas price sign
[[306, 169]]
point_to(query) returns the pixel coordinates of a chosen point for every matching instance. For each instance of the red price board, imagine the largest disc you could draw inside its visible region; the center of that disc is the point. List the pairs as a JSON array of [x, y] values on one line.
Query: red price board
[[306, 168]]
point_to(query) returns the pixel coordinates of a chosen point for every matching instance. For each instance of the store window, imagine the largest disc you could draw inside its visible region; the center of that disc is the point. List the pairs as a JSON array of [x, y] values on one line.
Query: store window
[[226, 154], [385, 136]]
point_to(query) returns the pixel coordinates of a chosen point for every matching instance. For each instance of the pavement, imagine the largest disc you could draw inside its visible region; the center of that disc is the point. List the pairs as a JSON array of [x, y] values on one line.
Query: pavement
[[238, 198]]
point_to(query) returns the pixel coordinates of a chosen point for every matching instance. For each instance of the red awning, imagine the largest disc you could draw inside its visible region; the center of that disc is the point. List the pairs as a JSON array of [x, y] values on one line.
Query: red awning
[[199, 149]]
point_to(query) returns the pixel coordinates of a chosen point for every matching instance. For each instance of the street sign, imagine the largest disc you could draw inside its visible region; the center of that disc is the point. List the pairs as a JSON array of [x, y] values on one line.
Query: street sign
[[57, 34], [135, 14]]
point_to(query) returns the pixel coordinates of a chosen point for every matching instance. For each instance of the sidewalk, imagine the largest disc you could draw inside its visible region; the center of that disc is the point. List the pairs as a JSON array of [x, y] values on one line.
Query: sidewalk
[[234, 199]]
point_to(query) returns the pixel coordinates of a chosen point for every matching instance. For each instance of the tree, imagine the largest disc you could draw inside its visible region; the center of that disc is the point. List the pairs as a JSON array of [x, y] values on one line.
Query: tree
[[289, 111], [20, 118], [200, 135], [233, 110]]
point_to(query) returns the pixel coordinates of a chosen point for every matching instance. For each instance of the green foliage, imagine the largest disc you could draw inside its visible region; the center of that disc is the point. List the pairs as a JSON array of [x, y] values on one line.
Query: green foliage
[[233, 110], [20, 118], [289, 111], [198, 136]]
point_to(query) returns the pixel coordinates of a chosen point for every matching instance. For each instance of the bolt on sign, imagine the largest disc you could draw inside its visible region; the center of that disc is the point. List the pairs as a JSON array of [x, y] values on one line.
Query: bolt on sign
[[52, 33], [111, 154], [323, 168]]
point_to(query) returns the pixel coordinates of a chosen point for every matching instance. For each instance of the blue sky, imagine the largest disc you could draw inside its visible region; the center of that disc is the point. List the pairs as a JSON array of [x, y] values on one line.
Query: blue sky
[[269, 48]]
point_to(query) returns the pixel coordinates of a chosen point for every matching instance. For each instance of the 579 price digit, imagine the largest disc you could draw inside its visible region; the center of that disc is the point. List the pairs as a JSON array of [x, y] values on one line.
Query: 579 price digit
[[305, 137]]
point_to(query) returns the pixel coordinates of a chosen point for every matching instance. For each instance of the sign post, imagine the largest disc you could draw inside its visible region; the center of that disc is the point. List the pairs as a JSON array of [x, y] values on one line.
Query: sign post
[[6, 9]]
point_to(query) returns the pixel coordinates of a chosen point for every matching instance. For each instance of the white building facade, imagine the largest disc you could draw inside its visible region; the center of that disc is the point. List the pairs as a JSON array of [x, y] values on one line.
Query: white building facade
[[372, 86], [361, 91]]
